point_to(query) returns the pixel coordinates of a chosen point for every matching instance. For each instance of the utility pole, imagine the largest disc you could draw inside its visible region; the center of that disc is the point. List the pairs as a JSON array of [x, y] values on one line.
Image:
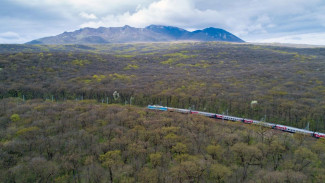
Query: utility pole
[[307, 127], [223, 116]]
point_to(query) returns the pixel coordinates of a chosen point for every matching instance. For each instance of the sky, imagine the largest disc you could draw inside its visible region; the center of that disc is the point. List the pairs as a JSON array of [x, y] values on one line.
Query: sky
[[269, 21]]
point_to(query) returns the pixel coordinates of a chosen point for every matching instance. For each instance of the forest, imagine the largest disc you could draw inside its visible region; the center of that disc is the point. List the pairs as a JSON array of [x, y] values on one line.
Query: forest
[[87, 141], [76, 113], [285, 83]]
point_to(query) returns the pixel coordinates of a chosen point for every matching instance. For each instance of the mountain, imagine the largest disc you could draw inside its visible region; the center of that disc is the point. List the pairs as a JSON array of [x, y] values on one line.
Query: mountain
[[152, 33]]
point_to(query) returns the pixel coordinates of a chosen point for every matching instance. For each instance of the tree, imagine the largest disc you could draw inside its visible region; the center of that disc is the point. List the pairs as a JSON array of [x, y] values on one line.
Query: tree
[[246, 155], [155, 159], [92, 171], [15, 117], [261, 131], [35, 170], [319, 146], [303, 158], [271, 176], [215, 151], [147, 175], [219, 172], [179, 148], [188, 171], [110, 160], [276, 151], [170, 140]]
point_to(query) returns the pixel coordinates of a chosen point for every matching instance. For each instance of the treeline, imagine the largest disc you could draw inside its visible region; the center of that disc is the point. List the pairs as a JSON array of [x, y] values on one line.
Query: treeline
[[83, 141], [286, 84]]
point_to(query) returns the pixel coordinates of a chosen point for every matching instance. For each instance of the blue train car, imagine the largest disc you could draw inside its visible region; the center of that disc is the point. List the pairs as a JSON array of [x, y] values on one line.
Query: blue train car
[[157, 107], [151, 107], [161, 108]]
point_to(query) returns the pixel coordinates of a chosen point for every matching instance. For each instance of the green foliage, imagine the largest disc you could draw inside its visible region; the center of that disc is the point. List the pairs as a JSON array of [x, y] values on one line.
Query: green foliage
[[183, 157], [176, 57], [170, 129], [124, 56], [156, 159], [80, 62], [111, 158], [319, 146], [28, 130], [15, 117], [122, 77], [98, 78], [147, 175], [171, 138], [62, 179], [179, 148], [169, 61], [304, 157], [180, 55], [219, 172], [131, 66], [246, 154], [215, 151]]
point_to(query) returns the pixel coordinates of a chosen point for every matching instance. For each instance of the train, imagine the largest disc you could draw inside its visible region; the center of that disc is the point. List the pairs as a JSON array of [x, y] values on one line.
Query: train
[[275, 126]]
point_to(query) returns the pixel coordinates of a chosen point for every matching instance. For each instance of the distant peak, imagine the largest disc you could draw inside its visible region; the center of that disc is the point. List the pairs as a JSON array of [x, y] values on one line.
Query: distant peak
[[213, 28], [126, 26]]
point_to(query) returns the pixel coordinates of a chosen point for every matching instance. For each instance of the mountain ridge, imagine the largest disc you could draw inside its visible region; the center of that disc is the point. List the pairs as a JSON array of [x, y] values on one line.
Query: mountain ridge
[[128, 34]]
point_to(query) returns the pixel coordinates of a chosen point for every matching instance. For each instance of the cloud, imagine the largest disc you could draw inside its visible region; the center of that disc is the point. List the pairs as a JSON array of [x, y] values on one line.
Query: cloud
[[88, 16], [242, 17], [98, 6], [9, 35], [248, 19], [168, 12], [311, 38]]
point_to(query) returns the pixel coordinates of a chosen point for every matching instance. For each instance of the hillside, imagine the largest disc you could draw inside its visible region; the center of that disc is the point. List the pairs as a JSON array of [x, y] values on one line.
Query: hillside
[[287, 83], [127, 34], [83, 141]]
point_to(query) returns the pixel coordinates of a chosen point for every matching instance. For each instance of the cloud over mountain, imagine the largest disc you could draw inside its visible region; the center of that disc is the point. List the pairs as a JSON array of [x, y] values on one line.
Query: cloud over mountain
[[253, 20]]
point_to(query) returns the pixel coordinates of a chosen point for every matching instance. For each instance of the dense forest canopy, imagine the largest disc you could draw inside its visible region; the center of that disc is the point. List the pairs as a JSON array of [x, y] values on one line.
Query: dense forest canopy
[[84, 141], [286, 83]]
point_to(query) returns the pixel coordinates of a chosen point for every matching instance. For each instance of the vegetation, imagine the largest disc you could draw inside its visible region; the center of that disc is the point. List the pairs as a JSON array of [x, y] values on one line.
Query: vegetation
[[66, 113], [288, 84], [83, 141]]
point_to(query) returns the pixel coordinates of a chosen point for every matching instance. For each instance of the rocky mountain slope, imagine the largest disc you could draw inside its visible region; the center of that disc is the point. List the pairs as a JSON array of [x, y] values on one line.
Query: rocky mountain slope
[[152, 33]]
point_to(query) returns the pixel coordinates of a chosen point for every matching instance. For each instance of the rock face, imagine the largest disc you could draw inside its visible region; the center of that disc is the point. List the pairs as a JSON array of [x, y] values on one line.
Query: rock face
[[127, 34]]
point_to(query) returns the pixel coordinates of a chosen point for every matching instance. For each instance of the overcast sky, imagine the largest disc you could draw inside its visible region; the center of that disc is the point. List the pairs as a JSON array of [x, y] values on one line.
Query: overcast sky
[[285, 21]]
